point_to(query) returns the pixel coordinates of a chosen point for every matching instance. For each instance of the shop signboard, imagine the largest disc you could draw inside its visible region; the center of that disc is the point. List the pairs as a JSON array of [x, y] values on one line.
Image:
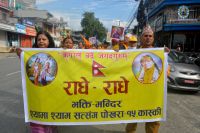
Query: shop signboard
[[30, 31], [28, 22], [20, 28]]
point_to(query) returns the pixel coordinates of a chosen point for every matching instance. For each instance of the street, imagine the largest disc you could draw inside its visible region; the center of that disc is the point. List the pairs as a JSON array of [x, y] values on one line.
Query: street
[[183, 108]]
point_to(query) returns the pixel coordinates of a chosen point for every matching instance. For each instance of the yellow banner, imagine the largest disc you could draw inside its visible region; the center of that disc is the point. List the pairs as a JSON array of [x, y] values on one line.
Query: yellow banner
[[82, 87]]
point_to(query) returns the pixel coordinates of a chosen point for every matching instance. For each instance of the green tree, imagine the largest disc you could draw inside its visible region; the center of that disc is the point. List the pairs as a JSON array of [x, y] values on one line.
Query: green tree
[[91, 26], [141, 16]]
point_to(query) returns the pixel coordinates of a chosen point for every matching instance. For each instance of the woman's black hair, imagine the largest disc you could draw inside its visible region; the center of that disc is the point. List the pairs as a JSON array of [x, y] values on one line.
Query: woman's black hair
[[68, 37], [51, 41]]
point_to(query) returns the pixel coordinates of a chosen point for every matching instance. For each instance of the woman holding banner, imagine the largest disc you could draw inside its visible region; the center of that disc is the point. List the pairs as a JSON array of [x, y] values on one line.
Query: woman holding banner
[[42, 40]]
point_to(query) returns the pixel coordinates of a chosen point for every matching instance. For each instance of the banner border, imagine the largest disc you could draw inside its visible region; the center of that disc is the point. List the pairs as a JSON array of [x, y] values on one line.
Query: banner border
[[91, 123], [93, 50], [24, 87], [97, 123]]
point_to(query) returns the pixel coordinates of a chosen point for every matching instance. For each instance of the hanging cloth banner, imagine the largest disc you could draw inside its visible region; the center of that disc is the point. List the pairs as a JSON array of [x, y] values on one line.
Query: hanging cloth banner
[[84, 87]]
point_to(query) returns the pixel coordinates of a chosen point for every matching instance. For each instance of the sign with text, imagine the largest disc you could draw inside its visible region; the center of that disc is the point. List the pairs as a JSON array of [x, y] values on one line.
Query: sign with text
[[20, 28], [84, 87], [30, 31]]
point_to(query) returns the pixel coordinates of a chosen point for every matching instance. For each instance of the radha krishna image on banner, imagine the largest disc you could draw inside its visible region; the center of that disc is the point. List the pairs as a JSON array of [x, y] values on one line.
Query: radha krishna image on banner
[[147, 68], [117, 32], [41, 69]]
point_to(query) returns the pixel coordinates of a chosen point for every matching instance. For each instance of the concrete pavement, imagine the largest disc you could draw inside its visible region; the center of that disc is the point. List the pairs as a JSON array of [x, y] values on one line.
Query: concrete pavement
[[9, 55]]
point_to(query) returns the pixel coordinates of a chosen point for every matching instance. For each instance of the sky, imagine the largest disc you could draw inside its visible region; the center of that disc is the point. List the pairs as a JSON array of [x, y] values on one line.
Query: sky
[[109, 12]]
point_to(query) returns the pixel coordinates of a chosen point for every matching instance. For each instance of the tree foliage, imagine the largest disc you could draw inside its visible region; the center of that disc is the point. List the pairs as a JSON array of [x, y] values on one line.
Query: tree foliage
[[141, 15], [91, 26]]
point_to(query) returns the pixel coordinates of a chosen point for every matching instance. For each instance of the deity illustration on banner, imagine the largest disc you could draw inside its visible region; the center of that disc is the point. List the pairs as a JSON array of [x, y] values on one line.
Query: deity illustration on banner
[[147, 68], [41, 69]]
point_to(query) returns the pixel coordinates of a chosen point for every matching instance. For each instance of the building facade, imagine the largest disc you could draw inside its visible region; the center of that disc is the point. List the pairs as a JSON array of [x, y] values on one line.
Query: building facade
[[8, 36], [24, 4], [175, 22], [14, 31], [20, 20]]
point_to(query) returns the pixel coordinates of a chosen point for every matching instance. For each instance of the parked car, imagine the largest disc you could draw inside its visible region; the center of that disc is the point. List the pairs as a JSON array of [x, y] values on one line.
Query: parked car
[[197, 61], [195, 57], [184, 74]]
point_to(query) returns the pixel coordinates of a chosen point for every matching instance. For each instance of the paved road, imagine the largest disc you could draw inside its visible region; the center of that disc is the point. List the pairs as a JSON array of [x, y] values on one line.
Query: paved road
[[183, 108]]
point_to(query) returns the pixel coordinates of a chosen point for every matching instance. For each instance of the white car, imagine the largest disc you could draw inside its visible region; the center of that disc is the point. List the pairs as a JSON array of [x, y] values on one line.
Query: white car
[[184, 74]]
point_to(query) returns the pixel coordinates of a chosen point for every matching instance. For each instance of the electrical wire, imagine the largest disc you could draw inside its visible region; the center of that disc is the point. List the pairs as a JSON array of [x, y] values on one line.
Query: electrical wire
[[134, 16]]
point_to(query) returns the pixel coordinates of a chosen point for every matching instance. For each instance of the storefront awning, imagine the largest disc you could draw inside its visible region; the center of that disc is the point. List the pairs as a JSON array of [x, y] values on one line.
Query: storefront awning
[[7, 27]]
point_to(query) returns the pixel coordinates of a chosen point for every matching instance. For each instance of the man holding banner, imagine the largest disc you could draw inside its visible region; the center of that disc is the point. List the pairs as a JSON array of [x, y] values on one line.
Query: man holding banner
[[147, 39]]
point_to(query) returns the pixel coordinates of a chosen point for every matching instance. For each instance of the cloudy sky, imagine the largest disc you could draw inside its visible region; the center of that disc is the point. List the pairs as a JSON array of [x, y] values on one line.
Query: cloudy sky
[[109, 12]]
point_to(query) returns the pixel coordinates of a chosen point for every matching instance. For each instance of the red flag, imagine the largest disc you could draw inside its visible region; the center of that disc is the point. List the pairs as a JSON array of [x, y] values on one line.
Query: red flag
[[95, 69]]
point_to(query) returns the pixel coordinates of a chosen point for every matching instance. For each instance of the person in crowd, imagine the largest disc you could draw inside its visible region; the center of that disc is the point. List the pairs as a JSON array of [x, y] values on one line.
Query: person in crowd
[[115, 44], [126, 39], [132, 42], [100, 46], [42, 40], [105, 45], [147, 41], [80, 45], [178, 48], [122, 44], [67, 43], [94, 46]]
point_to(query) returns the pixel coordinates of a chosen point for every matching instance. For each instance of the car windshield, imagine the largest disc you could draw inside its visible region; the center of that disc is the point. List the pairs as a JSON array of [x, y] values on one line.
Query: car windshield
[[179, 57]]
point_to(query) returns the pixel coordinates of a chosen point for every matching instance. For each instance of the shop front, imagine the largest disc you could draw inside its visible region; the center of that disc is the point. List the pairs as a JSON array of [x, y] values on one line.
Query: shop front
[[5, 32], [26, 35], [28, 39], [13, 39]]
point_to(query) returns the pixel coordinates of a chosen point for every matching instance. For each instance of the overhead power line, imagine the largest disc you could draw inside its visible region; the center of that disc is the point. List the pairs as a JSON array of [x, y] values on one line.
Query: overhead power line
[[134, 15]]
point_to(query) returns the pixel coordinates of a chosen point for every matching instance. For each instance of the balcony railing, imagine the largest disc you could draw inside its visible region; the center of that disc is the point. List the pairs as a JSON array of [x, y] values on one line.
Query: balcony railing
[[177, 20], [171, 16], [184, 21]]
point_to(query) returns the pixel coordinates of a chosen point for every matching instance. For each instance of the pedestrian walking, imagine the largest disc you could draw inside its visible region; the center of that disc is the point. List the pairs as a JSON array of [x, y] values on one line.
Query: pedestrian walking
[[43, 40], [147, 41]]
